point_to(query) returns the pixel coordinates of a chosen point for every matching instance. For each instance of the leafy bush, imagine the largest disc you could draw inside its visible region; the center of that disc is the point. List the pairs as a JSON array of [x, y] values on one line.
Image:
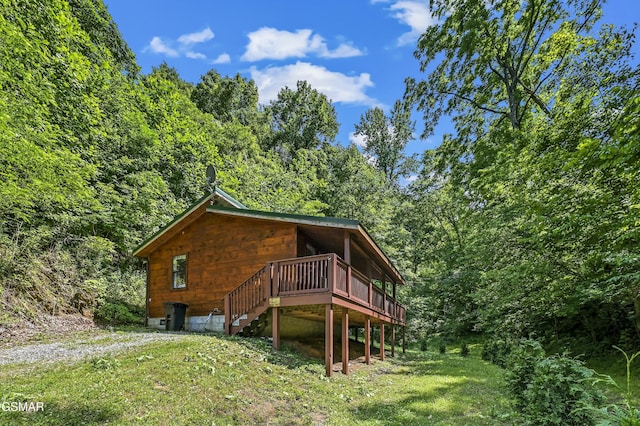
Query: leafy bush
[[497, 351], [627, 415], [521, 365], [560, 393], [464, 350], [116, 312], [551, 390]]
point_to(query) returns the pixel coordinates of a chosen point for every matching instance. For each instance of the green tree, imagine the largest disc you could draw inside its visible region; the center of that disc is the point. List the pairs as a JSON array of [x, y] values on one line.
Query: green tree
[[226, 98], [386, 138], [536, 98], [502, 58], [301, 119]]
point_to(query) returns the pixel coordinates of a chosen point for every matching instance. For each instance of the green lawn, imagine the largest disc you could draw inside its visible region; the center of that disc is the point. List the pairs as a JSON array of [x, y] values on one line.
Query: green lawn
[[220, 380]]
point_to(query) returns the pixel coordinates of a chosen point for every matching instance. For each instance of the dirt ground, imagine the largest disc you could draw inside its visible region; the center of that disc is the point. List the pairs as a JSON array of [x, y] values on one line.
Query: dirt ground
[[25, 331]]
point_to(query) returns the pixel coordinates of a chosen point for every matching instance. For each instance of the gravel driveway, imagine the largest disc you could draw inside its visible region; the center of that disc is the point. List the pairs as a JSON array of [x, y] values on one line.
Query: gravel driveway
[[78, 349]]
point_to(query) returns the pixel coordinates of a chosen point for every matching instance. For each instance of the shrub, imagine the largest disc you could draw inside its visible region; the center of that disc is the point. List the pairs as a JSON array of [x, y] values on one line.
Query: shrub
[[521, 364], [464, 350], [551, 390], [560, 393], [116, 312], [423, 345], [497, 351], [626, 415]]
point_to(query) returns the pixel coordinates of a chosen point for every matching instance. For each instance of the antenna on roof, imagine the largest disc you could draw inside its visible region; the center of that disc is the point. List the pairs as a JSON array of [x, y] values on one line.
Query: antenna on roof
[[211, 180]]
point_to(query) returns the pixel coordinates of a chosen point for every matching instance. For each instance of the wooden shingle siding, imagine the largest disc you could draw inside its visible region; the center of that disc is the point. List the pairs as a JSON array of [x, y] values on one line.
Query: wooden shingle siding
[[222, 252]]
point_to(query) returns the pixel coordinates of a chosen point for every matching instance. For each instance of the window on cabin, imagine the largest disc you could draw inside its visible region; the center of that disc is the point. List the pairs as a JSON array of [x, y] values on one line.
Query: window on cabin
[[180, 271]]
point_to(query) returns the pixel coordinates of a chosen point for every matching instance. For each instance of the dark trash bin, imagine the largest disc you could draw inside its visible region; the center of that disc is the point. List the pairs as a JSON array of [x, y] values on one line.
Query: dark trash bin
[[174, 313]]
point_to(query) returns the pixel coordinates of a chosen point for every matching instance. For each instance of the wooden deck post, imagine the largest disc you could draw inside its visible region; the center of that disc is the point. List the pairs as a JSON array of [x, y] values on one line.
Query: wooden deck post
[[393, 340], [367, 340], [404, 340], [381, 341], [328, 339], [275, 327], [275, 279], [345, 341]]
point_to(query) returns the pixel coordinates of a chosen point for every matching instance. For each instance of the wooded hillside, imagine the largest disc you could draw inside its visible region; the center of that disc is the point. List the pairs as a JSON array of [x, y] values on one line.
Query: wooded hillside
[[524, 221]]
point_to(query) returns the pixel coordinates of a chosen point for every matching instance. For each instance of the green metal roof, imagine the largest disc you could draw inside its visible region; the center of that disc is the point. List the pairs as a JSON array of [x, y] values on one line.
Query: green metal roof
[[334, 222]]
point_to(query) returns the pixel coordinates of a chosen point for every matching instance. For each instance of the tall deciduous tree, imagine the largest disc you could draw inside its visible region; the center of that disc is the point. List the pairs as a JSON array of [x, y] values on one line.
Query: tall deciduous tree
[[226, 98], [502, 57], [385, 139], [302, 119], [537, 99]]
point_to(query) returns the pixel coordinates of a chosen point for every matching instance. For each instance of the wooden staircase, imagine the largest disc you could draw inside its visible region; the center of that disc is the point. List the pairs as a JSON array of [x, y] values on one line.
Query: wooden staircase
[[246, 306], [255, 327]]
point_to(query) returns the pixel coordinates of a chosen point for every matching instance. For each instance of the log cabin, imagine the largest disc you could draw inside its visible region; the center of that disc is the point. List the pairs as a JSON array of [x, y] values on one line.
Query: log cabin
[[239, 271]]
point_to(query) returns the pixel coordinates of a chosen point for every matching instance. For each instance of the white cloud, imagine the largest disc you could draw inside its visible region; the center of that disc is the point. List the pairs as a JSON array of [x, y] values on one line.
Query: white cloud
[[224, 58], [414, 14], [336, 86], [181, 46], [342, 51], [195, 55], [359, 140], [158, 46], [199, 37], [271, 43]]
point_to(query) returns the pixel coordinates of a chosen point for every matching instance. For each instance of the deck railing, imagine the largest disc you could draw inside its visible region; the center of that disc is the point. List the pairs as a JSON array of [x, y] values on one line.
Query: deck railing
[[253, 293], [301, 275], [325, 273]]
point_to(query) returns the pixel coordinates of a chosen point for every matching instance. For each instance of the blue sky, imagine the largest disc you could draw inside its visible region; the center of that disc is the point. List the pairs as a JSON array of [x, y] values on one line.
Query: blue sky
[[357, 52]]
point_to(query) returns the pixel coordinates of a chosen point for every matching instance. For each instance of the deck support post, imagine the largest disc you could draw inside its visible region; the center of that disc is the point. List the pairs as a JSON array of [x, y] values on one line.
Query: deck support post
[[393, 340], [328, 339], [381, 341], [275, 327], [345, 341], [404, 340], [367, 340]]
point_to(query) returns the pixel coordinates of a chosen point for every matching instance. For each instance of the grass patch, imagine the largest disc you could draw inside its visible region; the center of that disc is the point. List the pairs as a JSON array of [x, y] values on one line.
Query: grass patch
[[222, 380]]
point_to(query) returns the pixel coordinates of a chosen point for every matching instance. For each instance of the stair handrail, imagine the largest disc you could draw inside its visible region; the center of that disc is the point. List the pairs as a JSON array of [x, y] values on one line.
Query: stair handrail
[[252, 293]]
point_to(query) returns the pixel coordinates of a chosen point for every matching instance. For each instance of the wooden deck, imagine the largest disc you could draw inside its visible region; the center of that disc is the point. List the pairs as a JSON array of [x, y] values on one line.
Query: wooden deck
[[315, 286], [313, 280]]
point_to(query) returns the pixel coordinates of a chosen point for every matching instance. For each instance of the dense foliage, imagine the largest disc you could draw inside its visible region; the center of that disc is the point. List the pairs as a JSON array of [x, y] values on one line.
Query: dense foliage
[[96, 156], [524, 221], [529, 210], [547, 390]]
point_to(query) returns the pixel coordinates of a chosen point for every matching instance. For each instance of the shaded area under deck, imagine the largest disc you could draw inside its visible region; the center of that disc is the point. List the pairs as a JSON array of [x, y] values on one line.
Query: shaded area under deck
[[317, 288]]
